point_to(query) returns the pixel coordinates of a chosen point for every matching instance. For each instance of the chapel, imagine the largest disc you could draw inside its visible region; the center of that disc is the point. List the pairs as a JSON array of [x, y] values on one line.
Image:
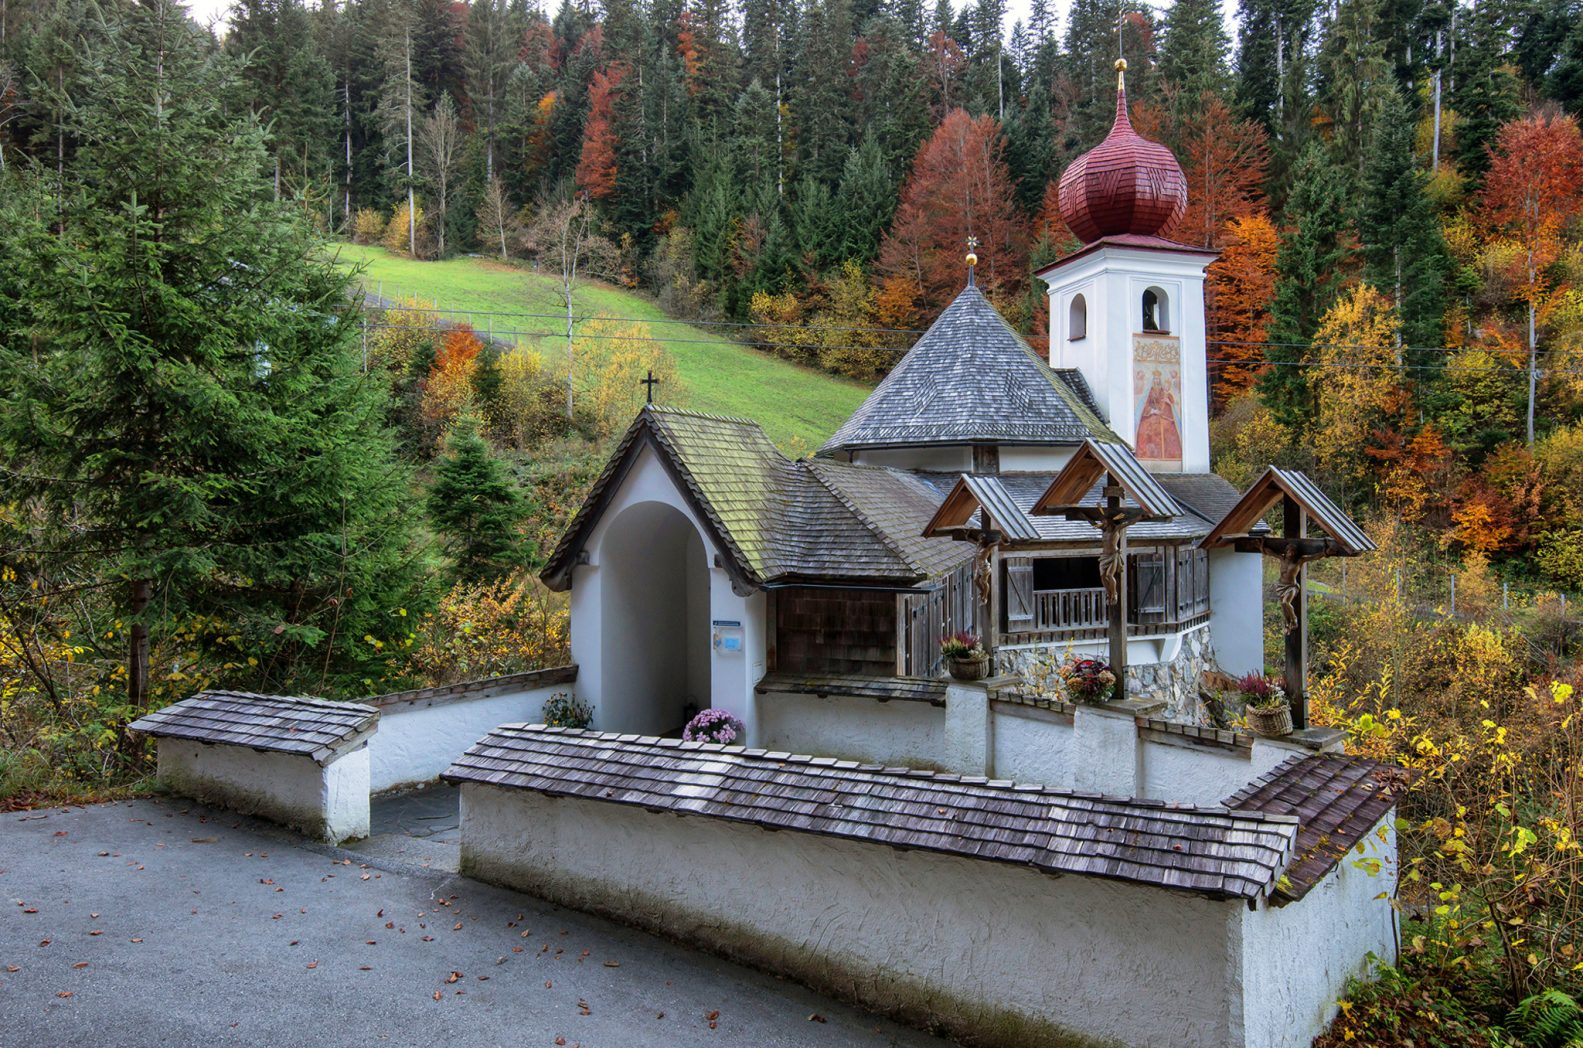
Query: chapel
[[706, 568]]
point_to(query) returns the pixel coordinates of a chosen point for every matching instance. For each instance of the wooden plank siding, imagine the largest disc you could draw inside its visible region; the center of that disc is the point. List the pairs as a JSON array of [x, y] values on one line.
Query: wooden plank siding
[[842, 631], [1167, 591]]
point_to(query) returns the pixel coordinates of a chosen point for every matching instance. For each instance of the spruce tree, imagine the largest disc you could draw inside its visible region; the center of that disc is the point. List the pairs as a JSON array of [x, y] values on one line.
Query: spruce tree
[[475, 507], [182, 408], [864, 202], [1310, 269], [1405, 255], [1194, 53]]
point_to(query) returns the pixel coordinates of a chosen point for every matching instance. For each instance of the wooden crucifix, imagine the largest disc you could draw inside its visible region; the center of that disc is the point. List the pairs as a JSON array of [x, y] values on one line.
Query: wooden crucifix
[[1128, 495], [650, 382], [1294, 549]]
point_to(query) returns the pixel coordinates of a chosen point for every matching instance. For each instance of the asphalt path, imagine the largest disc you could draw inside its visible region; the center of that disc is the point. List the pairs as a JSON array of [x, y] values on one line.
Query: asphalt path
[[160, 922]]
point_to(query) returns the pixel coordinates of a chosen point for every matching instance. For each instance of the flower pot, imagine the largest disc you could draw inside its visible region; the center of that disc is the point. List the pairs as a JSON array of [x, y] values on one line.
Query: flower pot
[[1270, 722], [968, 669]]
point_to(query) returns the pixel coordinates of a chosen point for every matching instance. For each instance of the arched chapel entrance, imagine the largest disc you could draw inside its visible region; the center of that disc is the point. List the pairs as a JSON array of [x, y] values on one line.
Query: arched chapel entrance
[[654, 642]]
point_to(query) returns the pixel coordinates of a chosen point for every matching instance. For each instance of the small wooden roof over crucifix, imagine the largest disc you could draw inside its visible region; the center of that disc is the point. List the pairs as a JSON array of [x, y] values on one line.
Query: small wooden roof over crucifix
[[970, 494], [1342, 535], [1095, 460]]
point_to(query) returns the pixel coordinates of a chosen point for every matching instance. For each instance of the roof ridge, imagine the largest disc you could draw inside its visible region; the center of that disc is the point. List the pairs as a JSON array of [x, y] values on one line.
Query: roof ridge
[[670, 409]]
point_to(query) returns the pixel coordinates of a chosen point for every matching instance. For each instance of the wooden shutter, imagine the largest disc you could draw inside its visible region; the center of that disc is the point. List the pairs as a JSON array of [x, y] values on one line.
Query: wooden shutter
[[1019, 593], [1149, 570]]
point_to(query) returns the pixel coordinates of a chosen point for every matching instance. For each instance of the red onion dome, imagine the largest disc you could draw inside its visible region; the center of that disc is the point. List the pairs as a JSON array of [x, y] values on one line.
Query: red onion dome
[[1126, 184]]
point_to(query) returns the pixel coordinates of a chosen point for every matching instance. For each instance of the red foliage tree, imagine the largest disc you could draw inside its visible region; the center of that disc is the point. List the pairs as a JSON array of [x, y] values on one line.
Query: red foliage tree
[[1225, 161], [959, 187], [1534, 187], [596, 169]]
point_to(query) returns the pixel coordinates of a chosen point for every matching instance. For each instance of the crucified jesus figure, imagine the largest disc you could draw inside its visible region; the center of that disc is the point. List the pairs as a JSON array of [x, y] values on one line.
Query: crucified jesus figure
[[1111, 561], [1289, 588]]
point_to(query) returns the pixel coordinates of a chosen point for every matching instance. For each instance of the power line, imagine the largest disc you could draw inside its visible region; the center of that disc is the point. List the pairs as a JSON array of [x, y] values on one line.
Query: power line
[[1515, 369]]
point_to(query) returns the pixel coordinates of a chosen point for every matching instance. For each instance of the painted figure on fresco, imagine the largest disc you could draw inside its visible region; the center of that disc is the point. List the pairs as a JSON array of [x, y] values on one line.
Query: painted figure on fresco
[[1159, 431]]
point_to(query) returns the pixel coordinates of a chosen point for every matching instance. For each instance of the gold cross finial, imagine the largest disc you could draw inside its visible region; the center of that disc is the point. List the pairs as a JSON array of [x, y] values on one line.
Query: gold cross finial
[[972, 258]]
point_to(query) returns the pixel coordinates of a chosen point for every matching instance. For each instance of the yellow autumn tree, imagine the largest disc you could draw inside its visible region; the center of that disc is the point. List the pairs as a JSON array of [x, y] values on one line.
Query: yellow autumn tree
[[525, 397], [612, 359], [1358, 384], [401, 331]]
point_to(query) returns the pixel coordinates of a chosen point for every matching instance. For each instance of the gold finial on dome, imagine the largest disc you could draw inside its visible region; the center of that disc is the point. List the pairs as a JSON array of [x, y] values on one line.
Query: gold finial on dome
[[972, 258], [1121, 74]]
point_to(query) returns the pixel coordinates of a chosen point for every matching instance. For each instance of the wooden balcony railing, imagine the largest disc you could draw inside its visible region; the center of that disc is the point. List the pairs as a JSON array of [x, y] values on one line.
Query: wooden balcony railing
[[1073, 609]]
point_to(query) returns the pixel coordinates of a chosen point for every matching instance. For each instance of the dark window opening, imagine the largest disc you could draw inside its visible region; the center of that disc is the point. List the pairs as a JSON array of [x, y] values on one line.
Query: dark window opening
[[1065, 573], [1151, 311]]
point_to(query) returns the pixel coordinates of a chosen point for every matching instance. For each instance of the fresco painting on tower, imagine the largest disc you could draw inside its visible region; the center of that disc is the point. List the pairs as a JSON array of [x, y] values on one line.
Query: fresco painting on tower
[[1157, 393]]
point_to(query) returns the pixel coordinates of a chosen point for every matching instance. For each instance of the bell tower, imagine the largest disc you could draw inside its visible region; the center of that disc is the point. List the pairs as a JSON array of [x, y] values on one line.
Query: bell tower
[[1127, 308]]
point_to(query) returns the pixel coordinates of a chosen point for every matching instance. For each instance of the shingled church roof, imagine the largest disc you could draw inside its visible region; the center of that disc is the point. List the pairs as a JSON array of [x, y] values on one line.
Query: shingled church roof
[[971, 380], [775, 520]]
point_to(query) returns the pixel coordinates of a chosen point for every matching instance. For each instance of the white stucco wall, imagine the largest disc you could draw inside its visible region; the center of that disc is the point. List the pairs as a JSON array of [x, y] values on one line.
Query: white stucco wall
[[893, 733], [1112, 280], [953, 459], [1296, 959], [1009, 954], [1192, 773], [641, 614], [1034, 460], [418, 740], [1031, 745], [1236, 617], [329, 802]]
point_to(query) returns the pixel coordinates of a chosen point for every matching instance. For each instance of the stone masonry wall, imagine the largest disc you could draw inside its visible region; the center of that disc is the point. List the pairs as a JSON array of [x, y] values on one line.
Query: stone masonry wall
[[1174, 682]]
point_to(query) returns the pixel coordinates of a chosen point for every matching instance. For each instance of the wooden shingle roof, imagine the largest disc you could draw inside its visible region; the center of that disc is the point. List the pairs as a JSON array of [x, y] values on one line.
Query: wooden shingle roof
[[970, 379], [1090, 465], [1247, 515], [1337, 801], [1209, 851], [317, 728], [1197, 497], [775, 520]]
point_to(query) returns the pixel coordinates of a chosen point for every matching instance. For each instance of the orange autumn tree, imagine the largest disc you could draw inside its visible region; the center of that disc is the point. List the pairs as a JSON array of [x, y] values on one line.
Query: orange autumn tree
[[1534, 187], [448, 388], [959, 187], [596, 169], [1240, 286], [1225, 161]]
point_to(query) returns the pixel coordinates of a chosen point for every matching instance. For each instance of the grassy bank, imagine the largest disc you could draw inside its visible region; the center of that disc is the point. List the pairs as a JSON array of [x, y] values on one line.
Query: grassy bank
[[797, 406]]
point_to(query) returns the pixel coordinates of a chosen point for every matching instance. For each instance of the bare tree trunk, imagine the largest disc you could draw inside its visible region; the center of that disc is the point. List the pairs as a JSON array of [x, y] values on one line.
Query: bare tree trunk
[[346, 125], [137, 647], [412, 218]]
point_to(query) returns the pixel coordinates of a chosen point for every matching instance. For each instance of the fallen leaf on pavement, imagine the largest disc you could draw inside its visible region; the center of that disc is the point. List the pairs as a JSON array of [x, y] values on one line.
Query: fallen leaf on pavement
[[313, 964], [453, 977], [612, 964], [438, 995], [816, 1018], [13, 968], [80, 964], [63, 993]]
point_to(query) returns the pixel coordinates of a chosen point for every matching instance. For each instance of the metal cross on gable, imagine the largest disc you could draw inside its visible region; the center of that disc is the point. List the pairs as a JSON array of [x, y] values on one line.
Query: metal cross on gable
[[650, 382]]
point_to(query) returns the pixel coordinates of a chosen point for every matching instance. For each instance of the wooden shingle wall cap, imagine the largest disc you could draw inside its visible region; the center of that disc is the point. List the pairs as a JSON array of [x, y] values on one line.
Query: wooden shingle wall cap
[[472, 689], [1193, 733], [885, 689], [1337, 801], [316, 728], [1209, 851]]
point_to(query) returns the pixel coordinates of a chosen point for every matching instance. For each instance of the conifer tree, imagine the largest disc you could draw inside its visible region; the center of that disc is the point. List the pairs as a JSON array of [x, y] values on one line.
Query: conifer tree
[[476, 507], [1194, 52], [182, 402], [1404, 253], [864, 202], [1311, 266]]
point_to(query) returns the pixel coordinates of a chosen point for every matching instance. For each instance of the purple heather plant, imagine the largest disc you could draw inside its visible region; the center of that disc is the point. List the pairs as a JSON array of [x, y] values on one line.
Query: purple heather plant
[[1262, 690], [713, 725], [961, 645]]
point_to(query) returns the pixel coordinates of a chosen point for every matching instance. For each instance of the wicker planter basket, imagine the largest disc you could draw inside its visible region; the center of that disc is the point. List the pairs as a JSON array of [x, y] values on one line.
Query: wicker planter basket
[[1270, 722], [969, 669]]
